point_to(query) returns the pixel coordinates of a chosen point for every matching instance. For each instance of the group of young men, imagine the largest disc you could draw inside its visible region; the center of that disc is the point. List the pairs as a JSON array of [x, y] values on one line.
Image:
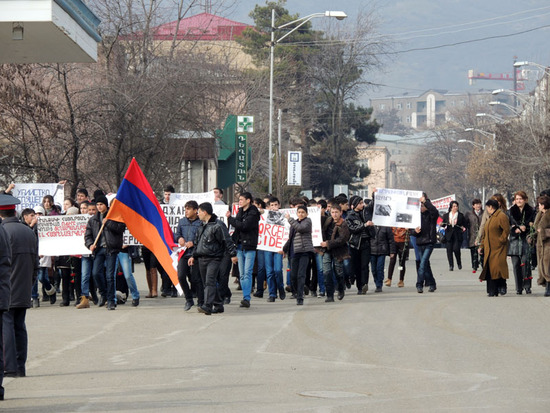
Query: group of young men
[[351, 244]]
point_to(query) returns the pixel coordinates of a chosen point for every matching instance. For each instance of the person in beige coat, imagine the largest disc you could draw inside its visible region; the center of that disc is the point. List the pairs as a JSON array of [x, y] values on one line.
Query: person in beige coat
[[542, 225], [494, 246]]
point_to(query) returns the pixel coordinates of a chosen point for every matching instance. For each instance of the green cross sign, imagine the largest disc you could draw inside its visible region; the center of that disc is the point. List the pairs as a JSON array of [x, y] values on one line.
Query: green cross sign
[[245, 124]]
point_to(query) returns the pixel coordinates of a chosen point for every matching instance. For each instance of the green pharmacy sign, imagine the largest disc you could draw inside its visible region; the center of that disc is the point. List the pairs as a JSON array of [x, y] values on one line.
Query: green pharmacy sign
[[241, 149], [245, 124]]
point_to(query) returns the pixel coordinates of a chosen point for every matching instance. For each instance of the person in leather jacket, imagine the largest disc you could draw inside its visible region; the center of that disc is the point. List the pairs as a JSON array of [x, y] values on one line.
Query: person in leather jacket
[[212, 243], [359, 221], [245, 237], [425, 241], [105, 249]]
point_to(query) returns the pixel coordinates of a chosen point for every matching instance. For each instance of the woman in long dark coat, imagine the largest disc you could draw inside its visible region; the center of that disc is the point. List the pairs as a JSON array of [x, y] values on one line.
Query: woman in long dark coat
[[494, 247], [454, 224], [522, 216]]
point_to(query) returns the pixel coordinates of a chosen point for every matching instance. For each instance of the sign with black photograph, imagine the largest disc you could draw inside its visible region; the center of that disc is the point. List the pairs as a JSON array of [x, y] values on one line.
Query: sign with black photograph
[[397, 208]]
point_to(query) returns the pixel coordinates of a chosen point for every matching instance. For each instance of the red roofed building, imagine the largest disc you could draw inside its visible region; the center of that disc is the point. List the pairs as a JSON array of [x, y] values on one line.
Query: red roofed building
[[204, 26]]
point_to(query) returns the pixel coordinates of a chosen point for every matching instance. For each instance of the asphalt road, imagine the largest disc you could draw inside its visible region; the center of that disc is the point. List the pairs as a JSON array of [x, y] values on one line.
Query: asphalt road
[[453, 350]]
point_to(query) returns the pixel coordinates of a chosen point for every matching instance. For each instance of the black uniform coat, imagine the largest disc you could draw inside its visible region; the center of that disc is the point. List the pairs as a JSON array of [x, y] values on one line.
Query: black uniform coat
[[24, 261]]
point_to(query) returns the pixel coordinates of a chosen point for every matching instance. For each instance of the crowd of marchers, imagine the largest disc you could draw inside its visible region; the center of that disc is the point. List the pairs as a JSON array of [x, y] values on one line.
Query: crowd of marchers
[[352, 249]]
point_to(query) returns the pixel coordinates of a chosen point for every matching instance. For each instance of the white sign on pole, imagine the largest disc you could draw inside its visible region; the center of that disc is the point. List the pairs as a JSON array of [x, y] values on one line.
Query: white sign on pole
[[31, 195], [294, 168], [397, 208]]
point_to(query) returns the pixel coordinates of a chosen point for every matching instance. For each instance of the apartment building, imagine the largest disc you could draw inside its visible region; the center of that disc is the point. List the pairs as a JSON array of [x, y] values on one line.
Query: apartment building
[[430, 109]]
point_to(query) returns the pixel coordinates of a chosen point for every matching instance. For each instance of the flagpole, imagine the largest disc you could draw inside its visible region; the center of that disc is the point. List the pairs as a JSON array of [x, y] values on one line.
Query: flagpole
[[99, 234]]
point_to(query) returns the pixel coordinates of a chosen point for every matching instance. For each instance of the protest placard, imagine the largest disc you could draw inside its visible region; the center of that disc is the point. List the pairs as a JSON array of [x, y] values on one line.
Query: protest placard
[[31, 195], [62, 235], [442, 204], [397, 208], [275, 229], [178, 198], [173, 214]]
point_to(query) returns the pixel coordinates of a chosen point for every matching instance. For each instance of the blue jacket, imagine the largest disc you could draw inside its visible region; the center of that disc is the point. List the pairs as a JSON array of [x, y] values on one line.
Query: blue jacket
[[188, 231]]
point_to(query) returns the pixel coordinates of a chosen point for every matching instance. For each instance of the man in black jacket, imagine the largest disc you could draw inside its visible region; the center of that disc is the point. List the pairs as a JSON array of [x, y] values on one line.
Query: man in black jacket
[[245, 237], [24, 268], [212, 243], [104, 239], [360, 225], [425, 240]]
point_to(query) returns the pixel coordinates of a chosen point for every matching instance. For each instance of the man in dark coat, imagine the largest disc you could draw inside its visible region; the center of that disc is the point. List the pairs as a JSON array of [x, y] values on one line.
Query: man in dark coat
[[245, 237], [213, 242], [105, 242], [24, 267], [425, 240], [5, 273]]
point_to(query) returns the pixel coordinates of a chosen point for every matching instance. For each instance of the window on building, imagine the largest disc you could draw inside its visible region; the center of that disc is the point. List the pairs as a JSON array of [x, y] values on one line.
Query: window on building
[[408, 119], [382, 106], [398, 106], [408, 105]]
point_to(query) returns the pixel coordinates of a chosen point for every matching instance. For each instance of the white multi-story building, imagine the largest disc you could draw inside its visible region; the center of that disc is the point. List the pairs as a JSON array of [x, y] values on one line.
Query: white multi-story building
[[428, 110]]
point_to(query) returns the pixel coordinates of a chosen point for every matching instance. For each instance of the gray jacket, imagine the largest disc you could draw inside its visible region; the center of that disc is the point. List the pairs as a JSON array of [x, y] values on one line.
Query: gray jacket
[[300, 234]]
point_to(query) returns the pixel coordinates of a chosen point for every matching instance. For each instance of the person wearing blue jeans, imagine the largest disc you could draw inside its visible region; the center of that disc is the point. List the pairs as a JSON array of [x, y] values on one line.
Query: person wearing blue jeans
[[335, 237], [425, 240], [320, 274], [126, 264], [104, 239], [425, 274], [381, 244], [42, 276], [273, 261], [245, 237], [245, 264], [274, 269], [86, 280]]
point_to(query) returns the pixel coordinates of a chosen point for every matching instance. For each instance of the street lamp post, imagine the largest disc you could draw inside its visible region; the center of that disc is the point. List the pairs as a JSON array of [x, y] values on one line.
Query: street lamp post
[[506, 105], [497, 119], [340, 15], [493, 135]]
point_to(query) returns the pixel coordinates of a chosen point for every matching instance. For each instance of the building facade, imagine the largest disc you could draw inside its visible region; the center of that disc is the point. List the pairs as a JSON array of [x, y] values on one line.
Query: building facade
[[428, 110]]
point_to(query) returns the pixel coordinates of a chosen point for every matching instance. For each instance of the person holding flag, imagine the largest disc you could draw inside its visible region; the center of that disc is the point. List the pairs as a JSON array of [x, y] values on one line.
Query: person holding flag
[[137, 206], [104, 238]]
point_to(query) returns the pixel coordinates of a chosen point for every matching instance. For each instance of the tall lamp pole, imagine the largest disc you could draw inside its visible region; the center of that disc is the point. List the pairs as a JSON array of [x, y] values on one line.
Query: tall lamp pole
[[340, 15]]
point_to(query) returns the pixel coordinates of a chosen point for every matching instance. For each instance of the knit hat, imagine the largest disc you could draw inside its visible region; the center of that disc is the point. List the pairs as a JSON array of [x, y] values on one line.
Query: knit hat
[[102, 199], [354, 201], [72, 211], [39, 210]]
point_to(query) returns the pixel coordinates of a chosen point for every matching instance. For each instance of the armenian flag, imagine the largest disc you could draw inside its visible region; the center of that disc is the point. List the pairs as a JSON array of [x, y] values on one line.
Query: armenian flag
[[137, 206]]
